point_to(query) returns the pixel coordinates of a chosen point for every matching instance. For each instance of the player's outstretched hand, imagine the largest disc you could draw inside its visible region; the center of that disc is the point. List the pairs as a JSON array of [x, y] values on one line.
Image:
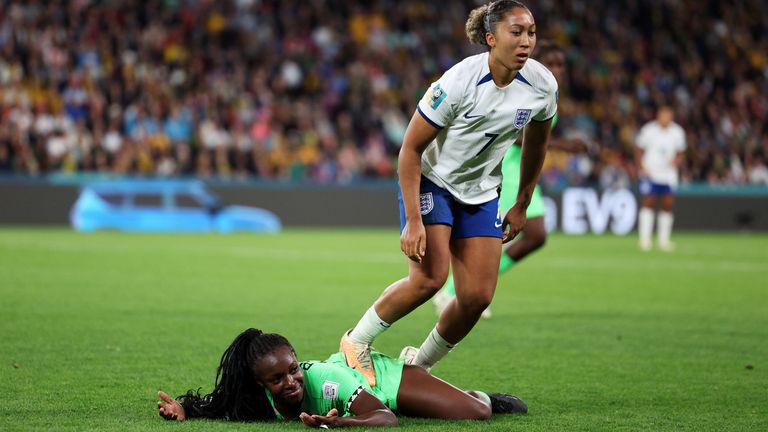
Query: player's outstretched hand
[[413, 240], [513, 223], [329, 420], [169, 409]]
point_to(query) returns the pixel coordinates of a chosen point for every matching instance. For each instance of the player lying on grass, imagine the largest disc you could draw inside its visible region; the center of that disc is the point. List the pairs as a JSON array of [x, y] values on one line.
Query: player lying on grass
[[260, 379]]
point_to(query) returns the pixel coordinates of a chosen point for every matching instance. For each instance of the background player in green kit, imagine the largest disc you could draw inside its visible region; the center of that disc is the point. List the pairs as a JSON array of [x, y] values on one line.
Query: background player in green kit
[[534, 234], [260, 379]]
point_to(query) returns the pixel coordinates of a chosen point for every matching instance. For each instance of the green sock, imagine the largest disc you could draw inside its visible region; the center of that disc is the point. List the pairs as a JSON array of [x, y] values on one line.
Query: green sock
[[448, 287], [505, 264]]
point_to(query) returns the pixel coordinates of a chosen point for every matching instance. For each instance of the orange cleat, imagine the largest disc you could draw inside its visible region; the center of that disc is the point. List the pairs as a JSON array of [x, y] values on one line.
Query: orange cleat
[[358, 357]]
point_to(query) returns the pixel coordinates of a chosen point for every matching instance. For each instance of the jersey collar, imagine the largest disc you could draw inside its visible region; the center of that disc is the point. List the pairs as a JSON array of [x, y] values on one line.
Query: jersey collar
[[277, 413], [487, 75], [272, 404]]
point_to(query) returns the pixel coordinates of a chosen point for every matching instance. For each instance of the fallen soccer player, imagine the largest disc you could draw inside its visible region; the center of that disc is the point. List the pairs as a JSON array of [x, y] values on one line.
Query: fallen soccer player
[[259, 378]]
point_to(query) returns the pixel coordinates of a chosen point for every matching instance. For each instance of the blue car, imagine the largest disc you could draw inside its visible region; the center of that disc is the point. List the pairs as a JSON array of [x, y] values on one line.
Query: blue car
[[163, 206]]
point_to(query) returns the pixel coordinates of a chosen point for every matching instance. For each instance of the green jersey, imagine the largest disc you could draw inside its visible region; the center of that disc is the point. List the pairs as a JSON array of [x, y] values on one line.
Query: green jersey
[[332, 384]]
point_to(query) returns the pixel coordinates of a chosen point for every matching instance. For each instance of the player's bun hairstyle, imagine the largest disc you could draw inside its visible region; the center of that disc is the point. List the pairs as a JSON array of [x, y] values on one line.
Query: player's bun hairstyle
[[484, 18], [237, 395]]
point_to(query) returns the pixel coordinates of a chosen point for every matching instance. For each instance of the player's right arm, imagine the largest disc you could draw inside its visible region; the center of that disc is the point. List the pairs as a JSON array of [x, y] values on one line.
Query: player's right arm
[[639, 162], [640, 145], [169, 408], [435, 111], [413, 240]]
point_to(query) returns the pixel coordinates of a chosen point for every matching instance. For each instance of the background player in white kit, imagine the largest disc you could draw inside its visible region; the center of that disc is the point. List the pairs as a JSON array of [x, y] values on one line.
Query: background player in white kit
[[660, 147], [450, 172]]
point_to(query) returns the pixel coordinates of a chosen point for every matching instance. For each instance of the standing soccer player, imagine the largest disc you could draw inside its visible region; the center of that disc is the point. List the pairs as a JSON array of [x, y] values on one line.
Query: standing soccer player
[[660, 147], [450, 172], [534, 234]]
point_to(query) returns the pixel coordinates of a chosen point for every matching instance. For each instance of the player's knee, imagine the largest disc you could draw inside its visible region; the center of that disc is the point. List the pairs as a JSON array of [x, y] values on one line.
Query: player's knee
[[649, 201], [433, 284], [476, 303], [538, 238], [666, 205], [484, 413], [429, 285], [478, 411]]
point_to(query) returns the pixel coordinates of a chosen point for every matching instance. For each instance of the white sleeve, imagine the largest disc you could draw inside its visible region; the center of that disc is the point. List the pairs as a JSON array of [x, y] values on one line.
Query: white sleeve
[[642, 138], [440, 103], [550, 109]]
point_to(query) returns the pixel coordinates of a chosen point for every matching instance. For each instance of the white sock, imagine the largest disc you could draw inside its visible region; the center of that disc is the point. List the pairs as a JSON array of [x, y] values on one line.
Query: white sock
[[483, 396], [645, 224], [369, 327], [432, 350], [664, 227]]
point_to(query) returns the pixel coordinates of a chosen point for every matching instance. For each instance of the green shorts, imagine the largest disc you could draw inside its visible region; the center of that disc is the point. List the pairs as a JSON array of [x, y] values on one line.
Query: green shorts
[[389, 372], [510, 171]]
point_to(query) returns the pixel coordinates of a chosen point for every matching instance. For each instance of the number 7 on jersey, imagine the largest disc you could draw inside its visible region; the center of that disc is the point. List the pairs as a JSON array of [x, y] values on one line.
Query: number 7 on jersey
[[492, 137]]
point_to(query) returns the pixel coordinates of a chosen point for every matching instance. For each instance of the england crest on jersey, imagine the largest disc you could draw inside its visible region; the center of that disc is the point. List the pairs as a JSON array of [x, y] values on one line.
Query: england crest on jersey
[[426, 204], [521, 118]]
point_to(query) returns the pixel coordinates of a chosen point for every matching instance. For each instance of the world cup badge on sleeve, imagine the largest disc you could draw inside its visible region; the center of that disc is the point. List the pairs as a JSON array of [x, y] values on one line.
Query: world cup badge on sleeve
[[521, 118], [426, 204], [437, 95]]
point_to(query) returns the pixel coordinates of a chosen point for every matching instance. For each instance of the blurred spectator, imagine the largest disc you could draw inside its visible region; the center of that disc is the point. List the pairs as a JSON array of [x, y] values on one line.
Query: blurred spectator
[[323, 90]]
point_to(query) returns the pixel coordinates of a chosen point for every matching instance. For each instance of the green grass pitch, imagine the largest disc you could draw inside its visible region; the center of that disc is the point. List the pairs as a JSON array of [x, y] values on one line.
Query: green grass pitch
[[592, 333]]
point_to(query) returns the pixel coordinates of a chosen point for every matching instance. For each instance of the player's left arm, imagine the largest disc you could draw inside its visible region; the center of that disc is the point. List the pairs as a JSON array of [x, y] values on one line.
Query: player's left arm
[[681, 148], [678, 161], [367, 409], [535, 142], [349, 398], [535, 139]]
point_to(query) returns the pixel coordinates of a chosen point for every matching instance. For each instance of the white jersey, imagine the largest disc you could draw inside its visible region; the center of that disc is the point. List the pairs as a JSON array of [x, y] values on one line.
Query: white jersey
[[660, 147], [478, 121]]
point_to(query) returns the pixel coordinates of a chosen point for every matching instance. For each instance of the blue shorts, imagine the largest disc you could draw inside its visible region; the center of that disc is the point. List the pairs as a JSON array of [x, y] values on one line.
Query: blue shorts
[[438, 206], [648, 187]]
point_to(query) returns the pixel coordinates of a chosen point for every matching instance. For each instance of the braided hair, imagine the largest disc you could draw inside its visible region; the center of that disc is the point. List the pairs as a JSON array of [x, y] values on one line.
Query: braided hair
[[237, 395]]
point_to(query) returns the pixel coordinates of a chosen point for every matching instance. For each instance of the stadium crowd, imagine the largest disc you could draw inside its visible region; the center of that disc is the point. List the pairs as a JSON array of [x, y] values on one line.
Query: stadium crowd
[[323, 90]]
